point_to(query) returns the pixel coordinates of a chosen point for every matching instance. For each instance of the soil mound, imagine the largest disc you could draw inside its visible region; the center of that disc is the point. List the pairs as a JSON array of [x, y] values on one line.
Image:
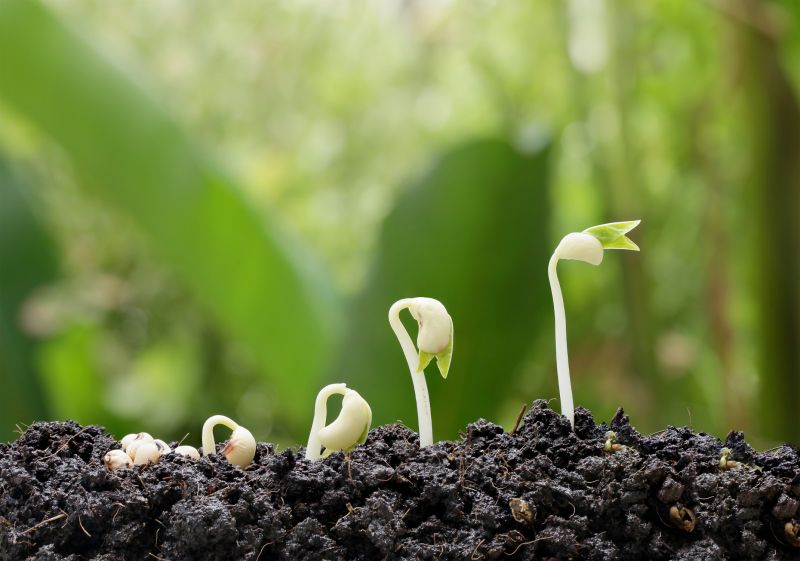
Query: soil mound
[[542, 492]]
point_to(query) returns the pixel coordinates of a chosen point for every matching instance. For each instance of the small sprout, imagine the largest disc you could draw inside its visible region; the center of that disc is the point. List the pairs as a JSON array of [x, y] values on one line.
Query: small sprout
[[610, 444], [522, 512], [349, 428], [117, 459], [792, 532], [128, 438], [587, 246], [148, 452], [188, 451], [434, 339], [241, 447], [682, 518], [724, 460]]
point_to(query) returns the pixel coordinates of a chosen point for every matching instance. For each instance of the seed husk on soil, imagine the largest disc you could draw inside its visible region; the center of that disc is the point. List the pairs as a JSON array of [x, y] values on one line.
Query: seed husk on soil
[[540, 492]]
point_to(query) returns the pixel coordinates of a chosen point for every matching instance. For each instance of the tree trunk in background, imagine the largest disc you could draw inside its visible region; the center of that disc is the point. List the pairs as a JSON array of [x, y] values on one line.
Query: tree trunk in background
[[773, 195]]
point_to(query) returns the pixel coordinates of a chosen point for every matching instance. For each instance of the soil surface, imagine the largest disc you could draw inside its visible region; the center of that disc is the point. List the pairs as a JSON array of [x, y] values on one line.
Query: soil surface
[[539, 493]]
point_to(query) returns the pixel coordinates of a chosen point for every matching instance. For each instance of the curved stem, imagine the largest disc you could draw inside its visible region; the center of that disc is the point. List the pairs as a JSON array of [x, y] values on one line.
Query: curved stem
[[209, 446], [314, 447], [562, 356], [418, 378]]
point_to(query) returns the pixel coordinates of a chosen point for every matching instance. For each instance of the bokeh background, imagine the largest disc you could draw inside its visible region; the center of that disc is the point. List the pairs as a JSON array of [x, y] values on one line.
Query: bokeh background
[[209, 207]]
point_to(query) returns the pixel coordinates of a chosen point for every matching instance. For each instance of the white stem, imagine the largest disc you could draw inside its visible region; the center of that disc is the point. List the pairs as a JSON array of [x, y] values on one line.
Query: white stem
[[209, 446], [412, 358], [314, 447], [562, 356]]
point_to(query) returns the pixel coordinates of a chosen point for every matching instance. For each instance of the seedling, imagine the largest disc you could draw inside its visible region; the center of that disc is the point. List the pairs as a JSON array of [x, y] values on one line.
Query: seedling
[[349, 428], [725, 461], [584, 246], [610, 444], [241, 447], [434, 339]]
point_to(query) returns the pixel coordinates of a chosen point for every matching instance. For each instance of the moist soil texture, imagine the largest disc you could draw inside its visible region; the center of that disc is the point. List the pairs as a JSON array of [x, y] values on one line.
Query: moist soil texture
[[540, 492]]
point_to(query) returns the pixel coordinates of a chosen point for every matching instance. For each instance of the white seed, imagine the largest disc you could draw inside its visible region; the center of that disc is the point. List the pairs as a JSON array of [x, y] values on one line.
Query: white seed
[[147, 452], [188, 451], [116, 459], [163, 447], [133, 446], [129, 438]]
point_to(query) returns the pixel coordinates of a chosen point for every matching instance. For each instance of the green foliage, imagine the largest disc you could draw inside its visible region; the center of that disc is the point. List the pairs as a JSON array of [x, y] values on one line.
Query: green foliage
[[612, 236], [468, 234], [683, 114], [132, 155], [28, 259]]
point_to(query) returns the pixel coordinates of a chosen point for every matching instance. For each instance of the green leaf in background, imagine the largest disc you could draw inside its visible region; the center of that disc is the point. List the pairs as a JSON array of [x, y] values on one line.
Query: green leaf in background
[[28, 260], [474, 234], [264, 289]]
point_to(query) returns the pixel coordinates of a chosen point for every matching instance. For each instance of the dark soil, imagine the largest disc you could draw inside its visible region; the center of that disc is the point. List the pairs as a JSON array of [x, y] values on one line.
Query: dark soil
[[542, 492]]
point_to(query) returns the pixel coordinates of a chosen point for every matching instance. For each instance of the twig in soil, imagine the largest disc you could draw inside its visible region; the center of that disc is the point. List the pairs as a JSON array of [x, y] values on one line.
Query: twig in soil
[[475, 550], [350, 510], [652, 434], [263, 547], [689, 411], [80, 523], [66, 444], [519, 418], [154, 556], [462, 465], [119, 506], [522, 545], [43, 522]]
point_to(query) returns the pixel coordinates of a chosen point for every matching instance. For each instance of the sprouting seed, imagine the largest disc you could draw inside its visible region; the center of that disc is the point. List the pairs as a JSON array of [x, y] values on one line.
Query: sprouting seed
[[241, 447], [434, 339], [610, 444], [349, 428]]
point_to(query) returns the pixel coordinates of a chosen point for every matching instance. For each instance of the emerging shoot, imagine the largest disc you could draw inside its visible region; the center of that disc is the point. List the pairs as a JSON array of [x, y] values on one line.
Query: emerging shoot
[[587, 246], [241, 448], [434, 339], [349, 428]]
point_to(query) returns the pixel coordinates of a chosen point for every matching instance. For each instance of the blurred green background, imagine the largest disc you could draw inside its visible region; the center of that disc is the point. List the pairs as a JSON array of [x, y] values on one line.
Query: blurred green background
[[209, 208]]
